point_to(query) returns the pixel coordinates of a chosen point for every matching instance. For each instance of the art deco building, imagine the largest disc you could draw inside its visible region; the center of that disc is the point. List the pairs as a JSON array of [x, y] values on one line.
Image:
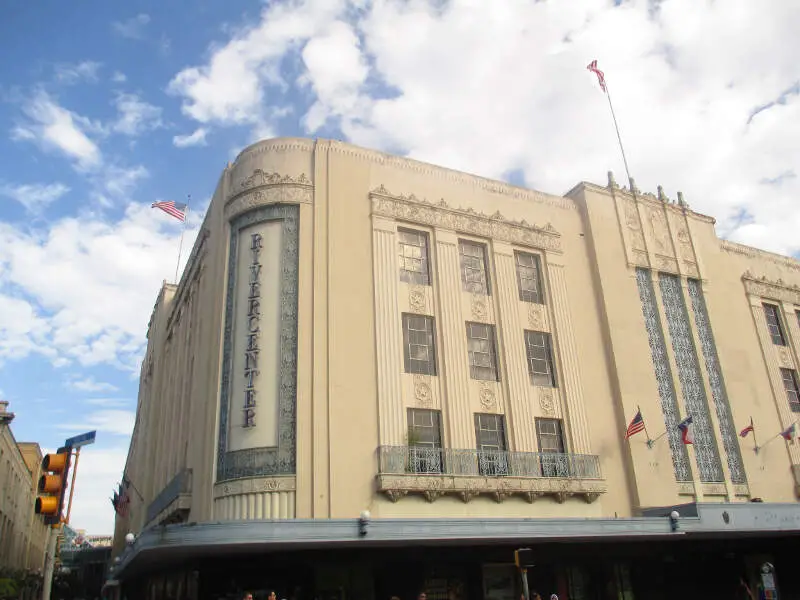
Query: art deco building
[[23, 538], [367, 351]]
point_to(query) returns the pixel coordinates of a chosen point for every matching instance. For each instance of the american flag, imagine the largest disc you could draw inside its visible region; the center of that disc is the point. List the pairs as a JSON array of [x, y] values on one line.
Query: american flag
[[592, 66], [687, 430], [173, 209], [748, 429], [636, 425]]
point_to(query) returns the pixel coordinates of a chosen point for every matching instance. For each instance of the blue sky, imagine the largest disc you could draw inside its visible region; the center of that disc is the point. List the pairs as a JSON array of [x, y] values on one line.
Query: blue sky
[[107, 107]]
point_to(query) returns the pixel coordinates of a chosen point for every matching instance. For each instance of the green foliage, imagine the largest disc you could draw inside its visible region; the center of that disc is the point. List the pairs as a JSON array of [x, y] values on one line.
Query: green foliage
[[9, 589]]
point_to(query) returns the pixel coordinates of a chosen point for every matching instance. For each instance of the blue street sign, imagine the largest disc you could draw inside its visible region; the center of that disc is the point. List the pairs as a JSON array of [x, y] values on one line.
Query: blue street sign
[[83, 439]]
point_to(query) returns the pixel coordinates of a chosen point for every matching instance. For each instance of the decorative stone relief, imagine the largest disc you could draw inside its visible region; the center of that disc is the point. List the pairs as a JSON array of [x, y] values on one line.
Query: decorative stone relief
[[255, 485], [658, 225], [479, 310], [634, 225], [536, 317], [685, 243], [417, 299], [260, 177], [766, 288], [546, 401], [422, 391], [691, 268], [665, 263], [442, 215], [715, 489], [785, 358], [487, 397]]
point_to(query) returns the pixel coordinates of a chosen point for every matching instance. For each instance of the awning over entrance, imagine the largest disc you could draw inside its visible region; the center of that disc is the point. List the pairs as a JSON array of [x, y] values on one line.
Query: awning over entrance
[[162, 545]]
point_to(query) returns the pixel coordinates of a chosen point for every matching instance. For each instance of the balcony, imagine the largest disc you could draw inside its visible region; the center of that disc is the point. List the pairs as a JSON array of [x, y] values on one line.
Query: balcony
[[433, 472]]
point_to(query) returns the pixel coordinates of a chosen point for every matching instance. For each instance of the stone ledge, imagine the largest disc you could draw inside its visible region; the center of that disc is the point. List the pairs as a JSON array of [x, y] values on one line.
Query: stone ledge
[[467, 487]]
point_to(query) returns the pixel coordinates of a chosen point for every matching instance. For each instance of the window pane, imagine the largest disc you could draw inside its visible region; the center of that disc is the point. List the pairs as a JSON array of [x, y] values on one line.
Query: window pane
[[473, 267], [791, 386], [414, 257], [540, 358], [482, 353], [528, 277], [424, 441], [419, 344], [772, 315]]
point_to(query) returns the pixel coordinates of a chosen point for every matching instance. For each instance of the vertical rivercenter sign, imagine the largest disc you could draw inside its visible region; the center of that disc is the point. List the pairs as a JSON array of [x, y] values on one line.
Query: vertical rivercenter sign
[[256, 345]]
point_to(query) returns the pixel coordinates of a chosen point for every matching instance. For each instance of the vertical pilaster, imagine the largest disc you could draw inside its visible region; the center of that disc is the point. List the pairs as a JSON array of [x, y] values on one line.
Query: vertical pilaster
[[787, 417], [388, 330], [522, 430], [454, 344], [570, 364]]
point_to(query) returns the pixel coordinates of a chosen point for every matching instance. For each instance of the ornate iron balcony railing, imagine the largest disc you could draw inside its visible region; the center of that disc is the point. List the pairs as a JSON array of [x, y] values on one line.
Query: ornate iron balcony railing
[[425, 460]]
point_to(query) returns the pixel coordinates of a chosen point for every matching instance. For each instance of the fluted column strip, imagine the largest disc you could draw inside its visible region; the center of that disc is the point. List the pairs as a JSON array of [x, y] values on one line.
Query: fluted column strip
[[388, 335], [454, 345], [570, 365], [520, 413]]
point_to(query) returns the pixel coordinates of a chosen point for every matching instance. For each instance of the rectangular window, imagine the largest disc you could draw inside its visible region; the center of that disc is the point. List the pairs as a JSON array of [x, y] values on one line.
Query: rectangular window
[[789, 377], [414, 263], [474, 274], [540, 358], [774, 324], [424, 441], [528, 278], [419, 346], [551, 446], [482, 352], [490, 435]]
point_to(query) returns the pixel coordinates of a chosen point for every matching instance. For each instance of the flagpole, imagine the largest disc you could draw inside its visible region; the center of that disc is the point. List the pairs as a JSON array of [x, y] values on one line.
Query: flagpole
[[183, 230], [647, 433], [753, 429], [619, 137], [651, 443]]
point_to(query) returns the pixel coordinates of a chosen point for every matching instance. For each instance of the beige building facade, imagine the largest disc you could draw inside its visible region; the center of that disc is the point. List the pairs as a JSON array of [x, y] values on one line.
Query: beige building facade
[[356, 331], [23, 536]]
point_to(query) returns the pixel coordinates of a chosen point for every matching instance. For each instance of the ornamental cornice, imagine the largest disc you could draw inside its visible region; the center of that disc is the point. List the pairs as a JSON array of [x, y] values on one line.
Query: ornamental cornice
[[755, 253], [263, 188], [467, 487], [766, 288], [442, 215], [254, 485]]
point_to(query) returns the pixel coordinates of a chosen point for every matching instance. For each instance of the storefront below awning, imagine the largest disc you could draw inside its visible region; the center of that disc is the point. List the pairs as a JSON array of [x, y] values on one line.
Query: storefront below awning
[[572, 570]]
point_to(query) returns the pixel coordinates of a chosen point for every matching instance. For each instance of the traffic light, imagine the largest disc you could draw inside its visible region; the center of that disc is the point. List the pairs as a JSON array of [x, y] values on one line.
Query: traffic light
[[53, 484]]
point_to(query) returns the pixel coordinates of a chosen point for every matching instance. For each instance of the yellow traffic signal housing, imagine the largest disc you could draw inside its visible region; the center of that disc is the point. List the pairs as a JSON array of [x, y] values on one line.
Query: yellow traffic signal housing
[[53, 483]]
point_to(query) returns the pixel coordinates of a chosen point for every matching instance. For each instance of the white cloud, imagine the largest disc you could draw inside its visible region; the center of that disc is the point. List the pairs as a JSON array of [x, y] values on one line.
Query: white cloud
[[132, 28], [492, 90], [99, 471], [36, 196], [111, 421], [84, 287], [196, 138], [135, 115], [118, 77], [89, 384], [231, 87], [23, 330], [73, 73], [53, 126]]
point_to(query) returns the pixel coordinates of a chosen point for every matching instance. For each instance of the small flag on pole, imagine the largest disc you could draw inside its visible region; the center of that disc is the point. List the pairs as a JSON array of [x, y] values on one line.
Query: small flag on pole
[[636, 425], [601, 79], [687, 430], [789, 433], [173, 209], [747, 430]]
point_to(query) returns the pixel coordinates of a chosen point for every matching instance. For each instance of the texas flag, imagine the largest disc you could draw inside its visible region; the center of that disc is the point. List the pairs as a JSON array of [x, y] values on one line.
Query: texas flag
[[687, 430], [788, 433]]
